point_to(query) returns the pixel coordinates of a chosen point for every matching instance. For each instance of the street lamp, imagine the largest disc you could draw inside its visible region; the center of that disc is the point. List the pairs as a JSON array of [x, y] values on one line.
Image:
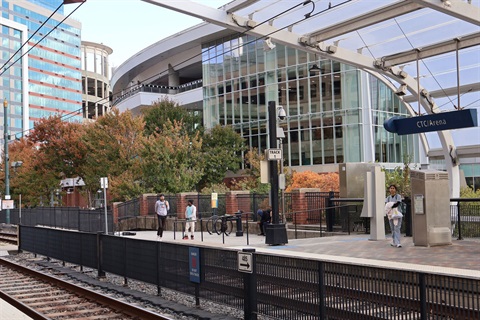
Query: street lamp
[[5, 149], [275, 232]]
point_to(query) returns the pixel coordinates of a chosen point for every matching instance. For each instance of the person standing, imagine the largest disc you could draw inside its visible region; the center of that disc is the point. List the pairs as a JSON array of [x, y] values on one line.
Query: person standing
[[191, 217], [161, 209], [395, 216]]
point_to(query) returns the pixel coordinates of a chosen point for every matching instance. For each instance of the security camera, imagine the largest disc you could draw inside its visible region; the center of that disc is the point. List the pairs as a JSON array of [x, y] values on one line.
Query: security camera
[[281, 113], [268, 45]]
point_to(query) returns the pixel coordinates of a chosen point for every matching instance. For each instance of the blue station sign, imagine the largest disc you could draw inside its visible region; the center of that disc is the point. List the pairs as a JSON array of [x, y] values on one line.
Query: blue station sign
[[194, 264], [433, 122]]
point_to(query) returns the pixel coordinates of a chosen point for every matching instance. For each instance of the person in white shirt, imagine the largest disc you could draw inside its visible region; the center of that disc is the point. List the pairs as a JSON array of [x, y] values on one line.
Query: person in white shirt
[[161, 209], [395, 221], [191, 217]]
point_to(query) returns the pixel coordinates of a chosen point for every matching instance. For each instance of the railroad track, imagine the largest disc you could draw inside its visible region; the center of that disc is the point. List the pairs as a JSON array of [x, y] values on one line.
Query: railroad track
[[8, 237], [42, 296]]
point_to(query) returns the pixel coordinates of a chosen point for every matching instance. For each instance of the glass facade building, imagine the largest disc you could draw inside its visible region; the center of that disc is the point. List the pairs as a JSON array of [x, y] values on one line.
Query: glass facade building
[[47, 81], [329, 113]]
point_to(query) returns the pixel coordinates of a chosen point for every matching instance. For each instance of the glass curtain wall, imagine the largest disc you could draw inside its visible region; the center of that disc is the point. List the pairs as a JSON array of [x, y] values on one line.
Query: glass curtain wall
[[11, 86], [54, 64], [323, 124]]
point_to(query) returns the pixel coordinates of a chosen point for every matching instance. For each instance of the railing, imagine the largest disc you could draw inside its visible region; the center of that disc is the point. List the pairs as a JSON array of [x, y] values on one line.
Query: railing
[[128, 209], [62, 217], [278, 287], [159, 89], [465, 218]]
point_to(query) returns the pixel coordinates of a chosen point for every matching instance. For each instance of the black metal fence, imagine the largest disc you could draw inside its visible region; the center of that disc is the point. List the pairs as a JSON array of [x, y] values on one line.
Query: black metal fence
[[62, 217], [278, 287], [128, 209], [465, 217]]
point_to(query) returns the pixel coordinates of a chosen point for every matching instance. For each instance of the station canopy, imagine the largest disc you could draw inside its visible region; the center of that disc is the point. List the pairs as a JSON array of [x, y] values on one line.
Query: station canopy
[[429, 48]]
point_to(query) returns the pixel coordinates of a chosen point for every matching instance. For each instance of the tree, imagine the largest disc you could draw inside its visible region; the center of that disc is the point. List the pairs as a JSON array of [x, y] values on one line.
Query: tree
[[221, 148], [166, 110], [114, 143], [61, 145], [32, 180], [324, 181], [171, 160], [251, 181], [400, 177]]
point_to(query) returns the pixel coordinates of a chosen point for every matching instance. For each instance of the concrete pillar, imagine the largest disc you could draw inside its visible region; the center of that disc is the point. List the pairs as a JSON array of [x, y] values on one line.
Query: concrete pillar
[[173, 79]]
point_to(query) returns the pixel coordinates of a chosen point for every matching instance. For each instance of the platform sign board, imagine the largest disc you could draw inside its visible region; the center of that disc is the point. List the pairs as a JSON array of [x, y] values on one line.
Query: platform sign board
[[245, 262], [432, 122], [8, 204], [274, 154], [194, 264]]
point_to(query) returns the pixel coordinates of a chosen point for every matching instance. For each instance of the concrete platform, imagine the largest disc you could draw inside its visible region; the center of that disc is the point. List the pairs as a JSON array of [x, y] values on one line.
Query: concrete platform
[[460, 258]]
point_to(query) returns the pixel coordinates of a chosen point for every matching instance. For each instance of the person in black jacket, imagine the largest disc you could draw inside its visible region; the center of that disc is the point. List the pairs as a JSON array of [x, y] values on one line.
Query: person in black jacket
[[265, 219]]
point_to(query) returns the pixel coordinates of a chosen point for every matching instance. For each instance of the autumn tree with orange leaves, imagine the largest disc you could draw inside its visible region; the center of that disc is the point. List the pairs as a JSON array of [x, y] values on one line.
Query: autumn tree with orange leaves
[[324, 181]]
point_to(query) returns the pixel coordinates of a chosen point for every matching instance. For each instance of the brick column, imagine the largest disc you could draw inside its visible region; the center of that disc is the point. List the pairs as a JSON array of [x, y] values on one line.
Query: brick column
[[115, 211], [144, 203], [232, 203], [182, 199], [300, 204]]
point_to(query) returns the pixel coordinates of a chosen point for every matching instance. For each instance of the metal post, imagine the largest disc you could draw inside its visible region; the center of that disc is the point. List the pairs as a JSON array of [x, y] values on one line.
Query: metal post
[[5, 147], [250, 310], [283, 189], [105, 205], [275, 233], [20, 209]]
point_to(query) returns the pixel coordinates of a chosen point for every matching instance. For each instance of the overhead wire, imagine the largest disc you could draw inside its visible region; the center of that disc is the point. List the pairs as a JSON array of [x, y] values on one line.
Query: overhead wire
[[2, 68], [423, 62], [157, 75], [33, 46]]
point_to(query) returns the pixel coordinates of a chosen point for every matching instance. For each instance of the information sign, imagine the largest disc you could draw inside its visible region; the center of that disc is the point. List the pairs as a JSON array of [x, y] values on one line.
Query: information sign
[[245, 262]]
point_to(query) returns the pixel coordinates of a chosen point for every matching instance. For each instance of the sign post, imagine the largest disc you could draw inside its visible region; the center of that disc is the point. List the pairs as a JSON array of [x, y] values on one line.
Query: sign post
[[104, 186]]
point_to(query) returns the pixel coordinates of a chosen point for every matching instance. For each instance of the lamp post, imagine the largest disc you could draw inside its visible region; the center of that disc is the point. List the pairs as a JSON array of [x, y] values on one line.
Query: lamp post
[[5, 149], [275, 233]]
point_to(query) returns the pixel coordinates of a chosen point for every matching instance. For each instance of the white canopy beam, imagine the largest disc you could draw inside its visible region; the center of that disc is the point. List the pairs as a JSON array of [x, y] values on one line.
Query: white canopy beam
[[455, 8], [464, 42], [364, 20]]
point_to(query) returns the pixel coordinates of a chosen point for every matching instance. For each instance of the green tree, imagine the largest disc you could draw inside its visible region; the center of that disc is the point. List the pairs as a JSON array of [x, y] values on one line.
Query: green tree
[[400, 177], [171, 160], [166, 110], [221, 148], [114, 143]]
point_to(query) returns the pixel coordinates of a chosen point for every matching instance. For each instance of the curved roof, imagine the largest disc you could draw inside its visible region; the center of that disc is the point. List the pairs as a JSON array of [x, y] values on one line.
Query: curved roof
[[385, 38], [146, 64]]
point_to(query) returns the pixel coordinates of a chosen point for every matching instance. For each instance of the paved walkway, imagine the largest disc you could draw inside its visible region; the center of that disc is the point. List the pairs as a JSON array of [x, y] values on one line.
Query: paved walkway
[[462, 257]]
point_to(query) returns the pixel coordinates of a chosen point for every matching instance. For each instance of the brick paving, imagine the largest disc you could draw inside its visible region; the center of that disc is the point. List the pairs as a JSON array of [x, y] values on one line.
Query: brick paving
[[462, 254]]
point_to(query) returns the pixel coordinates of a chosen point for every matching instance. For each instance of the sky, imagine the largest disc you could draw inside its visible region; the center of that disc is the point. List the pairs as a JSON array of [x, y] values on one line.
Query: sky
[[128, 26]]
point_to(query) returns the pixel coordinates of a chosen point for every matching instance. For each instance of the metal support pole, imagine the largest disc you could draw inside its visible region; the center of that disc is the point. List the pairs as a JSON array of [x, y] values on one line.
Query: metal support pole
[[105, 205], [275, 233], [5, 147]]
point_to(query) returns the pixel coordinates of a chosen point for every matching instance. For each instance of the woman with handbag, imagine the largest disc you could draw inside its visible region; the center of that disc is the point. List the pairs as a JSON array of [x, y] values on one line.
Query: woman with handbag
[[394, 214]]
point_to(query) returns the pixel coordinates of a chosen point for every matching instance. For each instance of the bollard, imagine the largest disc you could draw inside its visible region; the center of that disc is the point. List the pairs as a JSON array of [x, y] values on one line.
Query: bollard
[[250, 289], [330, 211], [239, 232]]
